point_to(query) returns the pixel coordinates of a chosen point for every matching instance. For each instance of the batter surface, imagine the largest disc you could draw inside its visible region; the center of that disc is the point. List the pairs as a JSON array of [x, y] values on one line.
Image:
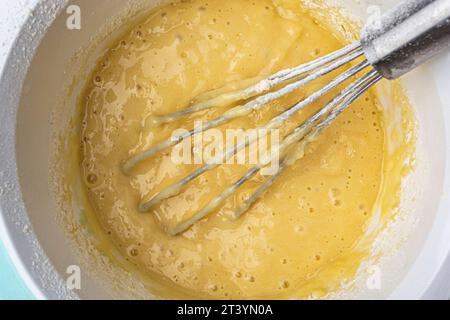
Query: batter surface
[[301, 239]]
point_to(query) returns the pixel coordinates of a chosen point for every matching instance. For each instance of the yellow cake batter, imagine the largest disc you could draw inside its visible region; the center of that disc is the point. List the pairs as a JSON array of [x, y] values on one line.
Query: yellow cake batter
[[301, 239]]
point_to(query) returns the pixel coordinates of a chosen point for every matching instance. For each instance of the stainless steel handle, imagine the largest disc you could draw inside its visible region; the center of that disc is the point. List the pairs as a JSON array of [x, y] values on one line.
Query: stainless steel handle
[[407, 36]]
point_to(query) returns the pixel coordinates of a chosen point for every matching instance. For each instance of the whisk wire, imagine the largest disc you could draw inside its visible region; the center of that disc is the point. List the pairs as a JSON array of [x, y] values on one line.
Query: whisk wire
[[292, 146], [276, 122], [302, 135]]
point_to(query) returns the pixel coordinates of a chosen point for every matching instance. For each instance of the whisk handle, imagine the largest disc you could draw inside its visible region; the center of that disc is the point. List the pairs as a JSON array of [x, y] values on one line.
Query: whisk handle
[[407, 36]]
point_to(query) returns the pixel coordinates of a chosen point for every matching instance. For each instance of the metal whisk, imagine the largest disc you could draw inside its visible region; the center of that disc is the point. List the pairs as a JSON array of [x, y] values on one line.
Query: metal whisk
[[403, 38]]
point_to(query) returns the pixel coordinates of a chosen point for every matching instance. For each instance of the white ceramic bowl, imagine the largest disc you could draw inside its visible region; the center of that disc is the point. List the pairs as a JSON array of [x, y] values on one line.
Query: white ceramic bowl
[[36, 51]]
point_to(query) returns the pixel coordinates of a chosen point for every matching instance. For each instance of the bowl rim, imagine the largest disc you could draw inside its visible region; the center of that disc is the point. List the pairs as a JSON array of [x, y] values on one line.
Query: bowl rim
[[20, 242]]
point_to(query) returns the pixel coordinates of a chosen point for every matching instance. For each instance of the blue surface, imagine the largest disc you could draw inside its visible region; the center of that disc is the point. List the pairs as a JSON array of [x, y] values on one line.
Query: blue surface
[[11, 285]]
